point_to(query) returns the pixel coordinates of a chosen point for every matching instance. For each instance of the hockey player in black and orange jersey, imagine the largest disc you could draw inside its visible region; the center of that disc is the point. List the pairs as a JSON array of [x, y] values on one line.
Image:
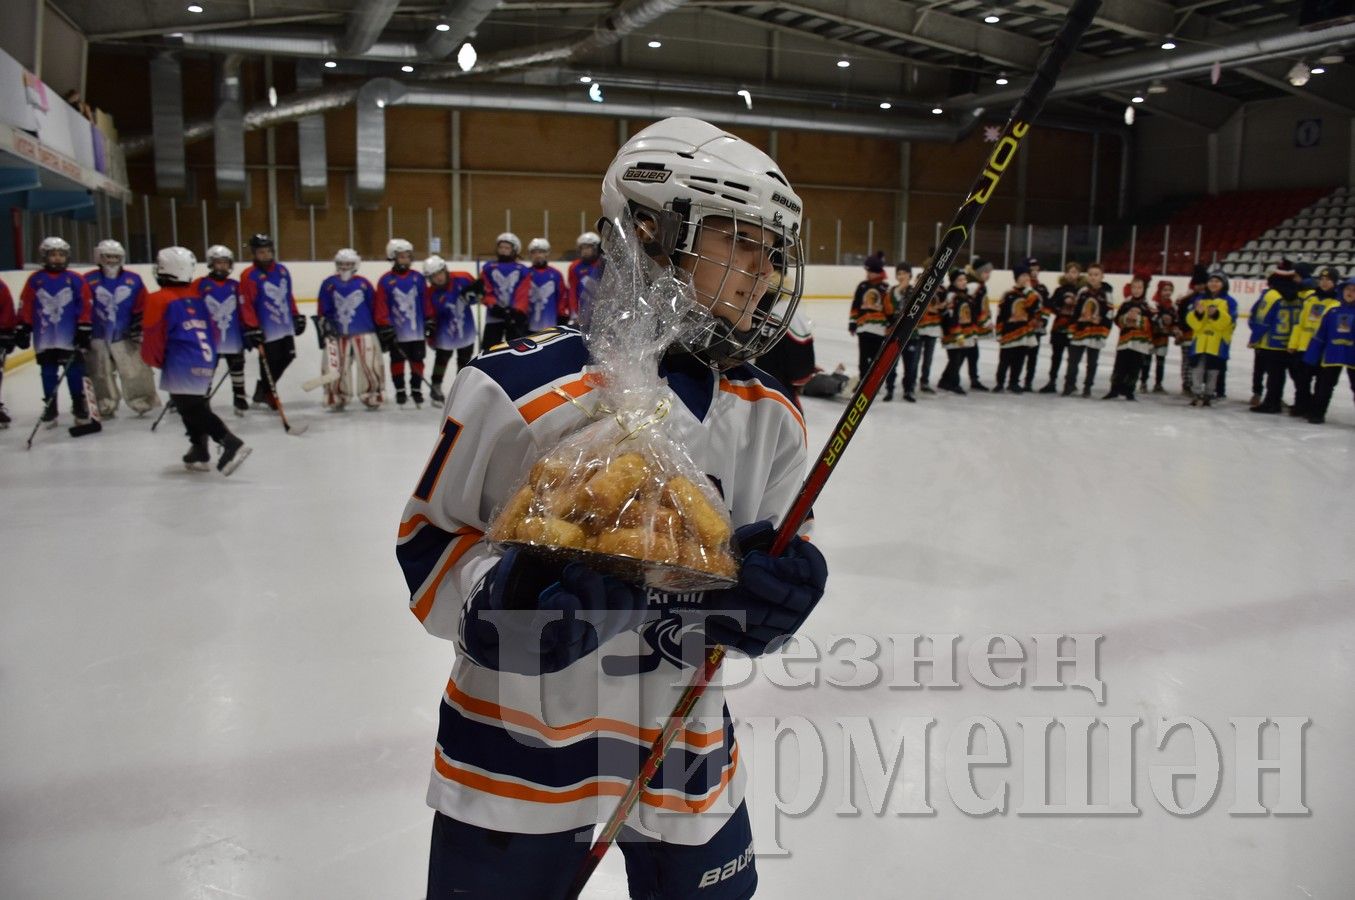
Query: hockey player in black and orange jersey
[[1134, 348], [1165, 328], [960, 330], [1063, 307], [517, 782], [1088, 331], [1033, 355], [928, 334], [871, 311], [1018, 317]]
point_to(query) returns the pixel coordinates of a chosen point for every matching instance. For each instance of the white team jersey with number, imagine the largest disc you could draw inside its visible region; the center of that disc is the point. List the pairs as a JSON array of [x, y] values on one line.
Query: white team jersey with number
[[552, 752]]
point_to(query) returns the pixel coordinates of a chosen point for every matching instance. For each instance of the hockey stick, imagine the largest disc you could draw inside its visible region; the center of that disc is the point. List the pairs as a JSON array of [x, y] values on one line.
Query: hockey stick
[[326, 343], [320, 381], [169, 404], [273, 388], [1018, 124], [47, 404]]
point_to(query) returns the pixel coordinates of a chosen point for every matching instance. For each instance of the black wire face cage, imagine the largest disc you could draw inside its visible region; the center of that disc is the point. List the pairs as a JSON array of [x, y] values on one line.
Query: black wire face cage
[[740, 268]]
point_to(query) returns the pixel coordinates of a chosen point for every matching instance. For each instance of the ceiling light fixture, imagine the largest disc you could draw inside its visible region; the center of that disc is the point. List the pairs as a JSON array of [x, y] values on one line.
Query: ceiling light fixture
[[585, 79], [1319, 70], [194, 8], [843, 64], [886, 105], [747, 98], [406, 68], [1331, 59], [380, 103], [330, 64], [1137, 98], [1168, 43], [466, 56], [1298, 75], [1157, 87], [654, 45], [1001, 78], [936, 110], [272, 96], [595, 92], [443, 26], [992, 18], [176, 34]]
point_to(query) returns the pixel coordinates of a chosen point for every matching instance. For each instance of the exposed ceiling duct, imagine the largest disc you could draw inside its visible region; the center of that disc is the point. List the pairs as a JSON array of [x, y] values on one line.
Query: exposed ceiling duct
[[229, 124], [1142, 68], [369, 176], [167, 131], [312, 157], [365, 25], [295, 43]]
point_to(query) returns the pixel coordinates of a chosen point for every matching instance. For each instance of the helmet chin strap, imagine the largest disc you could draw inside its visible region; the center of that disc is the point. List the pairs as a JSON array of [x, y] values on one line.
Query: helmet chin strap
[[111, 271]]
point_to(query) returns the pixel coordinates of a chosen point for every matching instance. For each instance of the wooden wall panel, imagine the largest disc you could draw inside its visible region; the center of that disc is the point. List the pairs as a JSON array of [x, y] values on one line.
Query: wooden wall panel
[[508, 141], [489, 197], [812, 158]]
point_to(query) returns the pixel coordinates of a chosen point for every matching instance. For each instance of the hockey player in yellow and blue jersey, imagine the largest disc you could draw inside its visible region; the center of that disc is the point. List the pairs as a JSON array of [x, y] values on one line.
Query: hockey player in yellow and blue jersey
[[542, 729], [1332, 351], [1273, 319]]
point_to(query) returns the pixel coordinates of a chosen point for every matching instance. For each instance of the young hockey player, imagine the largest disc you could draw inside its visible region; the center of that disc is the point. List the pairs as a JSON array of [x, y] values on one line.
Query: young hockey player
[[1273, 319], [180, 340], [1165, 327], [928, 334], [548, 294], [791, 360], [964, 318], [1018, 317], [56, 309], [9, 324], [347, 314], [402, 314], [269, 314], [1063, 306], [1211, 325], [1134, 318], [585, 274], [1195, 291], [871, 311], [114, 355], [979, 272], [913, 350], [1331, 350], [528, 761], [451, 326], [507, 292], [1314, 308], [1033, 352], [221, 293], [1089, 329]]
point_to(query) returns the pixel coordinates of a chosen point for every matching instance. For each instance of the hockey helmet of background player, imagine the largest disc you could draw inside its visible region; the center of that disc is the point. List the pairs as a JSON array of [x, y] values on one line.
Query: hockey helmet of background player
[[220, 251], [512, 240], [589, 239], [260, 241], [109, 247], [678, 173], [538, 244], [51, 244], [346, 263], [433, 265], [175, 265], [396, 246]]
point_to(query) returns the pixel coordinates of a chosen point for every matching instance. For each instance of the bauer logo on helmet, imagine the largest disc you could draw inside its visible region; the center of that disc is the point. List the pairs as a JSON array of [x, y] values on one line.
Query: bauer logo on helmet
[[651, 172]]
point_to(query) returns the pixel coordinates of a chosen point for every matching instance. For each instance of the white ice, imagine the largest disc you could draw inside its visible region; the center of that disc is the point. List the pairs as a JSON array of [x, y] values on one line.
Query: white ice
[[212, 688]]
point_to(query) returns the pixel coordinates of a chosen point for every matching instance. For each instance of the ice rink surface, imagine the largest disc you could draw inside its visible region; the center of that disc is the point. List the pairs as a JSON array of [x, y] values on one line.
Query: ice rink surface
[[212, 688]]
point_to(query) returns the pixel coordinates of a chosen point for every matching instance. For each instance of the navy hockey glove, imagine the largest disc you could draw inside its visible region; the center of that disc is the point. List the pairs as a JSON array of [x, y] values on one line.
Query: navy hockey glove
[[84, 333], [253, 338], [531, 617], [134, 329], [23, 336], [385, 336], [430, 328], [298, 325], [517, 323], [775, 594], [851, 329]]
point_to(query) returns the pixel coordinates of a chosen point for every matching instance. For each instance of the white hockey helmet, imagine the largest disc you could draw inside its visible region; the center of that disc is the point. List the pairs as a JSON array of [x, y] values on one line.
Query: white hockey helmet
[[509, 238], [433, 265], [398, 245], [347, 257], [109, 247], [175, 265], [219, 251], [589, 238], [538, 244], [52, 243], [678, 173]]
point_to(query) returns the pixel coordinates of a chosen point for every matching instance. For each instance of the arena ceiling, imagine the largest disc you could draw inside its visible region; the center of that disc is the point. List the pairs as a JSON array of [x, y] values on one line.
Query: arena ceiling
[[852, 55]]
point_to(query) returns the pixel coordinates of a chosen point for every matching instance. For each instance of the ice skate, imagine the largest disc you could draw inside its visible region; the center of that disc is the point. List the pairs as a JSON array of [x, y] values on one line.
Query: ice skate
[[198, 459], [417, 397], [233, 453], [978, 386], [928, 389], [4, 417], [435, 394], [49, 416], [401, 398], [1050, 388], [1087, 391]]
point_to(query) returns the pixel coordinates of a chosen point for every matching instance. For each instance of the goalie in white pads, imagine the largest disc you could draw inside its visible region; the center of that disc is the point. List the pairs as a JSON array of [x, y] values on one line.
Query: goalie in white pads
[[348, 335], [529, 757], [114, 353]]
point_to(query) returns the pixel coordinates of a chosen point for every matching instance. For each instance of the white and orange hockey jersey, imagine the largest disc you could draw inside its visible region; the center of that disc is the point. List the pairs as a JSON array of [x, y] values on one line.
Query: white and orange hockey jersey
[[552, 752]]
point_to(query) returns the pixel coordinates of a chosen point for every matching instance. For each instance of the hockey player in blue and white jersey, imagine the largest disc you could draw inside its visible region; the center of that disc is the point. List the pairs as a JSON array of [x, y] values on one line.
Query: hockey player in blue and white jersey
[[347, 320], [549, 294], [181, 341], [271, 320], [221, 293], [530, 756], [402, 314], [585, 274], [506, 291], [55, 309], [452, 297], [114, 353]]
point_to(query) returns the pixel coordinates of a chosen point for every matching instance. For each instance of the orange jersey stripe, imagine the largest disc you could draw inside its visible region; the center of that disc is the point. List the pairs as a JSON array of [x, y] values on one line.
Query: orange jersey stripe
[[489, 710], [758, 392], [469, 537], [535, 409], [594, 788], [411, 525]]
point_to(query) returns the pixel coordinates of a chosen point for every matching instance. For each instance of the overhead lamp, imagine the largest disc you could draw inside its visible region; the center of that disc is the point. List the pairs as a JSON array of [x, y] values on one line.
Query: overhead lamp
[[1331, 59], [1129, 115], [272, 96], [1001, 78], [406, 68], [654, 45], [1168, 43], [443, 26], [747, 97], [936, 110], [331, 64], [595, 92], [992, 18], [843, 64], [176, 34], [1300, 73], [1157, 87], [465, 57], [1319, 70], [380, 103], [194, 8], [1137, 98], [585, 79], [885, 104]]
